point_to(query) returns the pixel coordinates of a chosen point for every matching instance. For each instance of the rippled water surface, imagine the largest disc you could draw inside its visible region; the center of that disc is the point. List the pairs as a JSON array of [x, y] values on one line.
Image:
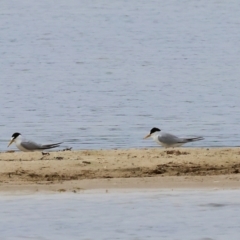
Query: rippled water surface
[[200, 215], [101, 74]]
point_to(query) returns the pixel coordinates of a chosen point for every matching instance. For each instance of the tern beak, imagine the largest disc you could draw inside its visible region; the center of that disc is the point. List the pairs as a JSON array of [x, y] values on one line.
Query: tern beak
[[11, 141], [147, 136]]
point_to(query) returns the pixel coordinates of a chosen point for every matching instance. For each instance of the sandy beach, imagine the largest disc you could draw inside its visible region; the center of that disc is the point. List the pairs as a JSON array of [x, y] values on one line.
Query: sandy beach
[[132, 168]]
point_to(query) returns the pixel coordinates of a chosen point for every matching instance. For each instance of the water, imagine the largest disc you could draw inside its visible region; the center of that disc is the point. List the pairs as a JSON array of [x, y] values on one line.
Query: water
[[193, 215], [101, 74]]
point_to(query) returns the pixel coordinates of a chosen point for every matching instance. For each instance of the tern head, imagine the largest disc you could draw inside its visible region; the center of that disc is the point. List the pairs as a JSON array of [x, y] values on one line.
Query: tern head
[[153, 130], [14, 136]]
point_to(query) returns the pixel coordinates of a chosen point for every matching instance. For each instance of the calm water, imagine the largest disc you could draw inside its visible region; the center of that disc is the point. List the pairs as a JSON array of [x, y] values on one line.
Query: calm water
[[101, 74], [188, 215]]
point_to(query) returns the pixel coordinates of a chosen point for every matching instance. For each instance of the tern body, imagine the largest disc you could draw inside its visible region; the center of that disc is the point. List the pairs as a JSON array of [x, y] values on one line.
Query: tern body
[[168, 140], [29, 146]]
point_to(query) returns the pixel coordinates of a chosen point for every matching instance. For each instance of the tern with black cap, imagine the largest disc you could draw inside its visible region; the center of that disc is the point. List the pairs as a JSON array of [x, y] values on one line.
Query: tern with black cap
[[29, 146], [168, 140]]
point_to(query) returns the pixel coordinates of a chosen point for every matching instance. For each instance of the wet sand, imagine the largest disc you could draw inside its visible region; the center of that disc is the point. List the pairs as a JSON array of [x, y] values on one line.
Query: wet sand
[[132, 168]]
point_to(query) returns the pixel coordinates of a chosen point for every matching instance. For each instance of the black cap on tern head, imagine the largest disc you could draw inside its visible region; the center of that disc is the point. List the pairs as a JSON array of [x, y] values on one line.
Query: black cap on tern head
[[153, 130], [15, 135]]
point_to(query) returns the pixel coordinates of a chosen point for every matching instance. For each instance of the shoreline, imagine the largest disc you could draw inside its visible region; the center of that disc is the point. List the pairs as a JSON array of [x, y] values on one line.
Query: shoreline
[[153, 168], [213, 183]]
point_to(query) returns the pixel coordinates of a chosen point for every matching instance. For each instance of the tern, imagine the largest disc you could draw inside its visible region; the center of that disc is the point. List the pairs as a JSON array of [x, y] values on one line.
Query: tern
[[168, 140], [29, 146]]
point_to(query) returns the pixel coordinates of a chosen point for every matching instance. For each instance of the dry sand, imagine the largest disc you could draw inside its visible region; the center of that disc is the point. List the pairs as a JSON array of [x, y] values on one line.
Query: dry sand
[[133, 168]]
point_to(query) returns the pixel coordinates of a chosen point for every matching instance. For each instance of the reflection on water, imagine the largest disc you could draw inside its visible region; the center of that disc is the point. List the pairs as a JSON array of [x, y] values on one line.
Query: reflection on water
[[96, 74], [122, 215]]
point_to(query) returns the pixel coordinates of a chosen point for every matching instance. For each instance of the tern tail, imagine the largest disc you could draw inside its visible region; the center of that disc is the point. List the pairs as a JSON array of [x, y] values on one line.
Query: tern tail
[[193, 139]]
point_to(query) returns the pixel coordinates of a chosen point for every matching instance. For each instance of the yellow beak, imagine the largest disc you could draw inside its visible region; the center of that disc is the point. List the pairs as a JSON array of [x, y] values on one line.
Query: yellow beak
[[11, 141], [147, 136]]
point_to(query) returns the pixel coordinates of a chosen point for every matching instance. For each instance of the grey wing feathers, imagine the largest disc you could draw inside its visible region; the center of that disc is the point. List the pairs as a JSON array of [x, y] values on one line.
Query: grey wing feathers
[[169, 138], [35, 146], [31, 145]]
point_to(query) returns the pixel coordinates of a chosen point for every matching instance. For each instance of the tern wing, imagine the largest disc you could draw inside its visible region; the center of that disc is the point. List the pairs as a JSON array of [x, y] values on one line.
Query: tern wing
[[168, 138], [31, 146]]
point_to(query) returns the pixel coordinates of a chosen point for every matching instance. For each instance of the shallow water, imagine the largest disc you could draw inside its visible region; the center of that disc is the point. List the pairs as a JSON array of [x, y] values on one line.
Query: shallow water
[[100, 74], [186, 214]]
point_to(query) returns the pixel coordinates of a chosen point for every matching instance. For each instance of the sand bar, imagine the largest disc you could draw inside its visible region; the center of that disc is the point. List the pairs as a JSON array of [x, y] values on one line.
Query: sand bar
[[132, 168]]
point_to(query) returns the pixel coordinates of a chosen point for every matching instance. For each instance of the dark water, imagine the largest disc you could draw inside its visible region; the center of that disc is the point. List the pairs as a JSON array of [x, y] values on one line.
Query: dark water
[[100, 74], [188, 214]]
